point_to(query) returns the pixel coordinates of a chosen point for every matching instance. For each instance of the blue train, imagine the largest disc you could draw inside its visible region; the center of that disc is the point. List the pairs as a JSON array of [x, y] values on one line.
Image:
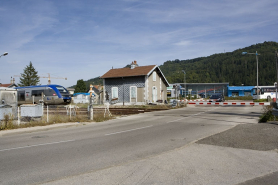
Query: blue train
[[52, 94]]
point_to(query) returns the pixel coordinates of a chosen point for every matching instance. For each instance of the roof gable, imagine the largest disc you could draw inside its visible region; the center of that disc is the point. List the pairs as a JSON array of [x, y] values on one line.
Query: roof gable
[[137, 71], [127, 72], [8, 85]]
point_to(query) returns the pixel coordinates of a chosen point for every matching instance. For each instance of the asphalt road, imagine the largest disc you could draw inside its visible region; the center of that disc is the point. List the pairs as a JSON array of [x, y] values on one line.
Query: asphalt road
[[47, 156]]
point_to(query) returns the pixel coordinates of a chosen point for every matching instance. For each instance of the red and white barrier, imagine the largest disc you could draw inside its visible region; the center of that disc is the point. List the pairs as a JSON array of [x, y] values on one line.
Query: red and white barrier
[[228, 103]]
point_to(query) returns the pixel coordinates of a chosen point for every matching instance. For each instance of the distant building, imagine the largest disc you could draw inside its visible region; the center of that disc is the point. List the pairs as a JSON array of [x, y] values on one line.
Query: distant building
[[234, 91], [201, 90], [205, 90], [98, 94], [81, 98], [135, 84], [174, 90], [10, 85]]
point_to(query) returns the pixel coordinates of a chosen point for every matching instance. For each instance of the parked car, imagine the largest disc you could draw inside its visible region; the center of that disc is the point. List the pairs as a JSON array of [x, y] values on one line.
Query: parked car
[[216, 98], [173, 102]]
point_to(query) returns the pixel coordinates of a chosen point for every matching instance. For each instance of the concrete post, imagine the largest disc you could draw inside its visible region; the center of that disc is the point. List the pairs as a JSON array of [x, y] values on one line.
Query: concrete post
[[91, 110]]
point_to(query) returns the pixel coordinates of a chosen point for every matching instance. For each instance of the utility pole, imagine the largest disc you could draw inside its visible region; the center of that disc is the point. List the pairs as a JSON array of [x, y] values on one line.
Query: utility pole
[[184, 84]]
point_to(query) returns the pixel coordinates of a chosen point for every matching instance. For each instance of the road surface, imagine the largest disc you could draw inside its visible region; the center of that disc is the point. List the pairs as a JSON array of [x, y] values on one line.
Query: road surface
[[49, 156]]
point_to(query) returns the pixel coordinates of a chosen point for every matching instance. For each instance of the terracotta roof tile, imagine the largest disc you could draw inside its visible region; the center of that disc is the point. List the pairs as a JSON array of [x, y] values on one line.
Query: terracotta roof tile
[[126, 72], [5, 85]]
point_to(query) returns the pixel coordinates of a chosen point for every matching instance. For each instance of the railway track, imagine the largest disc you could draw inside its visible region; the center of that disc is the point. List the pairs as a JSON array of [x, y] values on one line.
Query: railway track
[[114, 111]]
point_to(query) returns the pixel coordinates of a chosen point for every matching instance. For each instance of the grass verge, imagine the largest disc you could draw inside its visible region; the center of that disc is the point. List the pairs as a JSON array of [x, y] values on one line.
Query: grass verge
[[9, 123]]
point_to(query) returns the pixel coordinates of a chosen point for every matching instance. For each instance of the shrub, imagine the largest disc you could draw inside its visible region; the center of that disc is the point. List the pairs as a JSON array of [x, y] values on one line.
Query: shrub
[[267, 114], [7, 123], [239, 98], [260, 100]]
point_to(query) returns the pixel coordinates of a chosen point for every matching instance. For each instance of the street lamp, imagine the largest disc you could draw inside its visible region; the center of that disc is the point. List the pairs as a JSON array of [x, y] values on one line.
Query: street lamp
[[244, 53], [184, 83], [4, 54]]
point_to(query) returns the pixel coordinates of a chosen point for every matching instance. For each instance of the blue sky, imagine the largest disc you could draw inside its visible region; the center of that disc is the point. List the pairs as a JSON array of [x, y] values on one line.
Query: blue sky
[[83, 39]]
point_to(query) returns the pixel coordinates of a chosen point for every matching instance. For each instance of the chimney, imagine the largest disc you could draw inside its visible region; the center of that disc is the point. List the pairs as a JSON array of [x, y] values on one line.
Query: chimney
[[11, 80], [132, 66]]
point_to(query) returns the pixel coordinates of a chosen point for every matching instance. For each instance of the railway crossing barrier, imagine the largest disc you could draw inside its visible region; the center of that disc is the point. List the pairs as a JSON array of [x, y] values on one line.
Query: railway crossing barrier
[[228, 103]]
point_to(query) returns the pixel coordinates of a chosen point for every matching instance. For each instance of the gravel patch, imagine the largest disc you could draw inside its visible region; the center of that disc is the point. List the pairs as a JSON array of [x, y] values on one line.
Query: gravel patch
[[262, 136]]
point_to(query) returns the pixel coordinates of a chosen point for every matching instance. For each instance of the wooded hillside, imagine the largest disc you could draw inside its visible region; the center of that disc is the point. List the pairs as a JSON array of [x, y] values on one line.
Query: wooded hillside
[[232, 67]]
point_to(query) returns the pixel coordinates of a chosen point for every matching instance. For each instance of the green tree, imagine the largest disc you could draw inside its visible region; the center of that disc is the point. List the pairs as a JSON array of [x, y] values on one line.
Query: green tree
[[80, 86], [29, 76]]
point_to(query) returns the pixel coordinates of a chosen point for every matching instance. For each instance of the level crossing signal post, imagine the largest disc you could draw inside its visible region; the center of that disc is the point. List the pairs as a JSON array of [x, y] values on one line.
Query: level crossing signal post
[[91, 110]]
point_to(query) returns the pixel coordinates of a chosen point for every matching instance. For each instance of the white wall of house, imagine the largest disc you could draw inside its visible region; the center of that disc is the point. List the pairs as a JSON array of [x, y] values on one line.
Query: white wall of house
[[157, 90]]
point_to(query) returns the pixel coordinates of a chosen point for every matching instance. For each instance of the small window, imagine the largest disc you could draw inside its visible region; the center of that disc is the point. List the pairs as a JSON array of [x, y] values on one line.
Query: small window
[[133, 92], [154, 76], [114, 92]]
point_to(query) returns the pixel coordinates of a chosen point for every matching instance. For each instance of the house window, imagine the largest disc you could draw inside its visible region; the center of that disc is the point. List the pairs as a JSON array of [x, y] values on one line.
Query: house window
[[114, 92], [154, 76], [133, 93], [154, 93]]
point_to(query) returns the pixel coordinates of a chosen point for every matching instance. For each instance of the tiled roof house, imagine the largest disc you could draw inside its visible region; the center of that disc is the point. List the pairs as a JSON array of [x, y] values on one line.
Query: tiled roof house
[[135, 84], [8, 85]]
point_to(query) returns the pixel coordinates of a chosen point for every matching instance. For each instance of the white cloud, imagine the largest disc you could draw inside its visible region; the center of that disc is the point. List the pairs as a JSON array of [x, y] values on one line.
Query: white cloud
[[183, 43]]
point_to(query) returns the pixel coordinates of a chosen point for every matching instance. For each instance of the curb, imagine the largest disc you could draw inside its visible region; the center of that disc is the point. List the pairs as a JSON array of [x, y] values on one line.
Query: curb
[[38, 128]]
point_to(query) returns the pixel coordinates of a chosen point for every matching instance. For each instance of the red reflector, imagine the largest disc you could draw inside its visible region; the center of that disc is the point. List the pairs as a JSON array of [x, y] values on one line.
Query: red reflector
[[54, 94]]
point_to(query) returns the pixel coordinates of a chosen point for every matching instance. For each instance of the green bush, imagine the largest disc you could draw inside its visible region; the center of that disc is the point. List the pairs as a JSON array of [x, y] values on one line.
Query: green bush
[[260, 100], [239, 98], [267, 114]]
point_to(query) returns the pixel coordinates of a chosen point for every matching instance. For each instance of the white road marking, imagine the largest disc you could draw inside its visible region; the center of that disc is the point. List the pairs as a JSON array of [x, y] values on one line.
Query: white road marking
[[191, 115], [175, 120], [29, 146], [128, 130]]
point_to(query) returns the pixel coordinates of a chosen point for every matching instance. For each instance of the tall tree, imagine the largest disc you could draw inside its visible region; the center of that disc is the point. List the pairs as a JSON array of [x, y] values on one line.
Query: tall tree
[[80, 86], [29, 76]]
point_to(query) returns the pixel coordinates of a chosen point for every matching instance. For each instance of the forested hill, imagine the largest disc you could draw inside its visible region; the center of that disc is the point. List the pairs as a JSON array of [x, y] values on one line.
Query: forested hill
[[232, 67]]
